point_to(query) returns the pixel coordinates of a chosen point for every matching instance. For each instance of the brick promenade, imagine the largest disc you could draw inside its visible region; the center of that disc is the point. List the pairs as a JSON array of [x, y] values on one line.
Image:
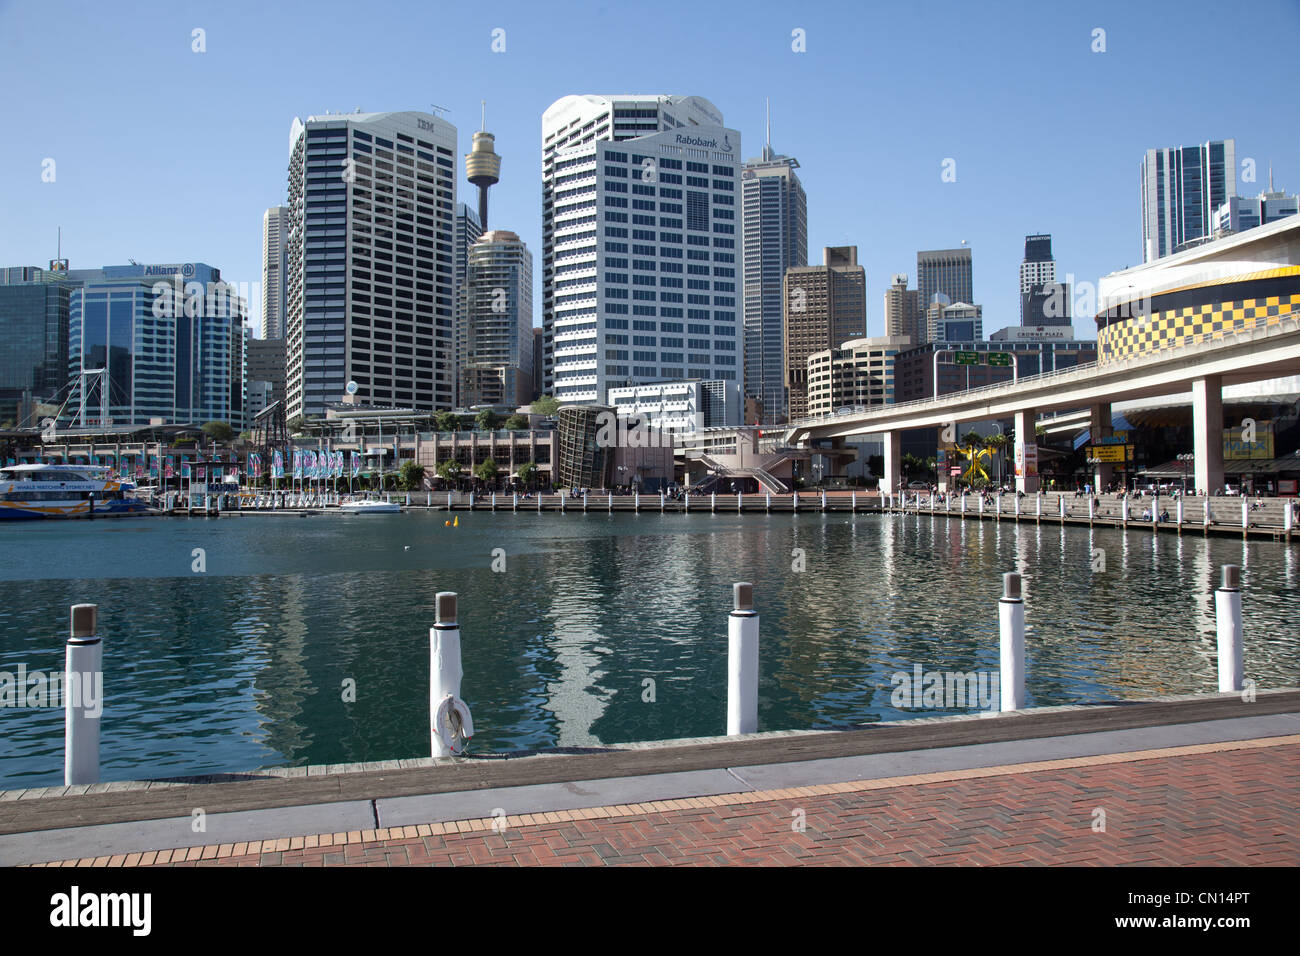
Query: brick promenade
[[1234, 803]]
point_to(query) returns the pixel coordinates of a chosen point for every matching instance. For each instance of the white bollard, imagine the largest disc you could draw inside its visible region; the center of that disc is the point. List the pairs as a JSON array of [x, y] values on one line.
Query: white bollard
[[1207, 511], [636, 501], [796, 502], [963, 506], [584, 503], [1011, 618], [611, 502], [1123, 512], [1091, 501], [1017, 506], [661, 502], [1227, 607], [514, 501], [740, 502], [1178, 511], [981, 505], [823, 501], [769, 502], [444, 664], [539, 502], [428, 499], [449, 501], [83, 697], [1288, 518], [1060, 506], [713, 501], [742, 663], [1245, 512], [855, 503]]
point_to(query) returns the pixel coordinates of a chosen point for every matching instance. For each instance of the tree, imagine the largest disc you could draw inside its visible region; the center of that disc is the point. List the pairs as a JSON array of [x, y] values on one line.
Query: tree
[[447, 422], [411, 476], [517, 422], [219, 432], [545, 406], [486, 472], [486, 420], [526, 473], [449, 471], [295, 424]]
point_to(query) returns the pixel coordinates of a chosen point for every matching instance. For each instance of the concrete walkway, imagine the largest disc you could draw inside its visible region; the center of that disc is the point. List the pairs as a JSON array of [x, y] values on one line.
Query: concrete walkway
[[1159, 767]]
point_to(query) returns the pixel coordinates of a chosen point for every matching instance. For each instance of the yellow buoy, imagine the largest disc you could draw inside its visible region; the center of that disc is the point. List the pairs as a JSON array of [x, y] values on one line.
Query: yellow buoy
[[456, 523], [446, 524]]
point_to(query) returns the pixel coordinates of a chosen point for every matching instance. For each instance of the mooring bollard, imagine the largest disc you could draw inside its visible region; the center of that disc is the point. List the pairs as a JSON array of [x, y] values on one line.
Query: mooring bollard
[[713, 502], [83, 698], [769, 502], [636, 501], [1123, 512], [796, 502], [514, 501], [662, 502], [1091, 509], [1245, 513], [823, 501], [1011, 618], [1060, 507], [742, 662], [1178, 513], [1227, 608], [1207, 511], [1288, 518], [449, 501], [445, 674], [611, 502]]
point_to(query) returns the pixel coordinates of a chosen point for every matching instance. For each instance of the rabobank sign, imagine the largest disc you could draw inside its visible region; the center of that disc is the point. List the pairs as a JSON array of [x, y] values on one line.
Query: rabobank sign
[[705, 142]]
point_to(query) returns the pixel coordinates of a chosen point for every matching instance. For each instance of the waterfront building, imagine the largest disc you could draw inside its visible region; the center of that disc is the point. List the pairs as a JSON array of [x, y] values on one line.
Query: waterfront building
[[903, 312], [496, 360], [775, 217], [947, 272], [824, 306], [1182, 187], [371, 294], [275, 227], [34, 314], [582, 459], [166, 342], [639, 244], [680, 407], [858, 373], [1043, 301]]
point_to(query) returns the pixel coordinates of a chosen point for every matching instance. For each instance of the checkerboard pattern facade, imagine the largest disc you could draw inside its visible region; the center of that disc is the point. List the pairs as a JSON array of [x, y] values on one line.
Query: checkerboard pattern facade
[[1189, 325]]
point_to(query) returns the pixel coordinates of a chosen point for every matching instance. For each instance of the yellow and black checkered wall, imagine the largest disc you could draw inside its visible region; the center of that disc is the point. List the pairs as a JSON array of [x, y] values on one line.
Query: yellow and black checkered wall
[[1276, 294]]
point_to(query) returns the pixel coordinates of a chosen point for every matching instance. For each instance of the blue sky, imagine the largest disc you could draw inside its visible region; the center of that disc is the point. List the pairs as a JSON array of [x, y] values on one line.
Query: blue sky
[[167, 155]]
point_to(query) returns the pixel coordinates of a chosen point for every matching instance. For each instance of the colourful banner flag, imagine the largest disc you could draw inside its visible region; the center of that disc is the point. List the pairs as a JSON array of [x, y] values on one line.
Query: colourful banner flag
[[277, 464], [169, 467]]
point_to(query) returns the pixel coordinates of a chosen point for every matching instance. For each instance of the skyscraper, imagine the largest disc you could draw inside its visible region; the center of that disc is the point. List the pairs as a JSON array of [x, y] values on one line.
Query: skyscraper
[[34, 309], [1042, 301], [275, 227], [496, 364], [467, 230], [372, 200], [169, 340], [775, 212], [944, 271], [639, 243], [1181, 189], [903, 312], [825, 306]]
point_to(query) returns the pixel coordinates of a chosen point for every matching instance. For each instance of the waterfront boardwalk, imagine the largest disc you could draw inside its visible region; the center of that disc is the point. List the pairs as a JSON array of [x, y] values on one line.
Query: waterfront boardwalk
[[1210, 780], [1243, 517]]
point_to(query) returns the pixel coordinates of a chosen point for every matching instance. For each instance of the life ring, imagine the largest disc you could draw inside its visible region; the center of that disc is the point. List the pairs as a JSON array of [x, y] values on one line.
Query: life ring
[[452, 723]]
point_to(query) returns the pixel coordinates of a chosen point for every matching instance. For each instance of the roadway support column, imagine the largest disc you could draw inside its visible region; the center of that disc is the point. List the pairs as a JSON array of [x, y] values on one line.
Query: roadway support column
[[1026, 451], [1099, 427], [1207, 433], [890, 482]]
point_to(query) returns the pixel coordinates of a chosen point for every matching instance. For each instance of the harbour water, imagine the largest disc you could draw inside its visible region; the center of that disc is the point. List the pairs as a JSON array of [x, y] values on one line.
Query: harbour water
[[600, 629]]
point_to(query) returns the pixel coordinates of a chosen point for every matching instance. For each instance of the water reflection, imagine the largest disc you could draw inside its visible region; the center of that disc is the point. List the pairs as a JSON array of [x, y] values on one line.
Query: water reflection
[[603, 628]]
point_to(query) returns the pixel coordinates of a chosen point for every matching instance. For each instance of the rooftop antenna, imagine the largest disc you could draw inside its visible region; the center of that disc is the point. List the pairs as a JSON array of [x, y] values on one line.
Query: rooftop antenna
[[483, 126], [767, 150], [439, 109]]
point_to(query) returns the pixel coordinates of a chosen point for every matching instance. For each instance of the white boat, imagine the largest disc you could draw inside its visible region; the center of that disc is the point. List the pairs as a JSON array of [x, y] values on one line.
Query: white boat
[[370, 506], [66, 491]]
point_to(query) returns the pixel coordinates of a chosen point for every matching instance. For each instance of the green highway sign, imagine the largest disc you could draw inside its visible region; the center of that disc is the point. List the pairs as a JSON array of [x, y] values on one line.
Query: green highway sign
[[966, 358], [1000, 358]]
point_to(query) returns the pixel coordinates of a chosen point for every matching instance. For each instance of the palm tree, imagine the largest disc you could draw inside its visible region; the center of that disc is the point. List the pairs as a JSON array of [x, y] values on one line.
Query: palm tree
[[995, 444]]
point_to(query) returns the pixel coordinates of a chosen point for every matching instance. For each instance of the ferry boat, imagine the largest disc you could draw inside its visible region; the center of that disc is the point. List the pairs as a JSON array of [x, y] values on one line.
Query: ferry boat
[[66, 491]]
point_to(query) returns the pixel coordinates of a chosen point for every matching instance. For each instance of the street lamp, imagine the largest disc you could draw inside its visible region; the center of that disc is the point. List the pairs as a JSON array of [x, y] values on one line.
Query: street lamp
[[1186, 458]]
